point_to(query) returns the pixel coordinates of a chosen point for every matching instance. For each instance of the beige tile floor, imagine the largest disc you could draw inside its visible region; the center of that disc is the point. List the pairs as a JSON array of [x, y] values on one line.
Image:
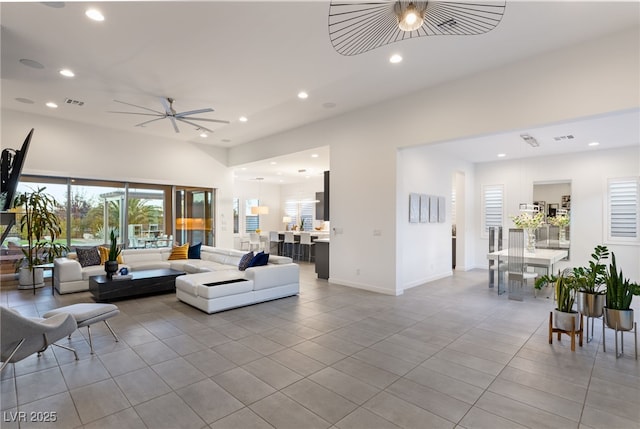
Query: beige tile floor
[[449, 354]]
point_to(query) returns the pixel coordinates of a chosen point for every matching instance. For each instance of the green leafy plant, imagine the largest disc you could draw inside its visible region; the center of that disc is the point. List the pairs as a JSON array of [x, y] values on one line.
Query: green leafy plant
[[114, 250], [620, 290], [566, 287], [590, 279], [566, 292], [41, 225]]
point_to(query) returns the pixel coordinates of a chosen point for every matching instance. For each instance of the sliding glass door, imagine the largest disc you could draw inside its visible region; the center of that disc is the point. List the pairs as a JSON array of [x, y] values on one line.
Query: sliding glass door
[[194, 215]]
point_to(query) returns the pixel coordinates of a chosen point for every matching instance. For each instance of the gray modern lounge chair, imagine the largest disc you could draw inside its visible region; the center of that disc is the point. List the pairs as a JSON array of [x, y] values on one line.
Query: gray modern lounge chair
[[22, 336]]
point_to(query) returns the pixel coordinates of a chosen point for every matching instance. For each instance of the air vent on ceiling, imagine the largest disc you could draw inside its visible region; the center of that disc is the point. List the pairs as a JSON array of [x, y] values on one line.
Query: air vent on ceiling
[[302, 170], [74, 102], [530, 140], [561, 138]]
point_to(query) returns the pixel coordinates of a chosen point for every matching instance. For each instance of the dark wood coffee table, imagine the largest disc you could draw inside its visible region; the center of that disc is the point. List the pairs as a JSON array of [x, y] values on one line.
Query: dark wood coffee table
[[144, 282]]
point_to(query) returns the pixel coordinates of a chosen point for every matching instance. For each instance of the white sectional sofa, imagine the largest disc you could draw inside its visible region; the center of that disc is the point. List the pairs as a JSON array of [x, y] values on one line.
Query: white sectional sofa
[[220, 264], [217, 291]]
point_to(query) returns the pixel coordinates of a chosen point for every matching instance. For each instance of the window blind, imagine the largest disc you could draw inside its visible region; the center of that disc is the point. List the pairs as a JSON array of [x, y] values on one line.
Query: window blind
[[623, 208], [492, 202]]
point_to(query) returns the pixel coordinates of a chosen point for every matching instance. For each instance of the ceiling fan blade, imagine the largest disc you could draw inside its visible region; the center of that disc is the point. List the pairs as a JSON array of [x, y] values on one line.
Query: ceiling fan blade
[[193, 124], [139, 107], [175, 125], [194, 112], [142, 124], [137, 113], [167, 107], [210, 120]]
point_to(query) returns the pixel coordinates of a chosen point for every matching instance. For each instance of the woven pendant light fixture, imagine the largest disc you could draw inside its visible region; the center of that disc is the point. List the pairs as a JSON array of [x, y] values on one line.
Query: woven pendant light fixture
[[358, 27]]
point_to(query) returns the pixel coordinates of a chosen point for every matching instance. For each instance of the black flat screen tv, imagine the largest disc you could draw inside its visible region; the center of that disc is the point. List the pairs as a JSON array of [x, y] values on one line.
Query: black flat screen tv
[[11, 163]]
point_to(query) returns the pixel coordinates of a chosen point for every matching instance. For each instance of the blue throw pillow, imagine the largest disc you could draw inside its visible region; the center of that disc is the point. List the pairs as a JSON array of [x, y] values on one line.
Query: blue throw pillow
[[259, 259], [194, 251], [244, 261]]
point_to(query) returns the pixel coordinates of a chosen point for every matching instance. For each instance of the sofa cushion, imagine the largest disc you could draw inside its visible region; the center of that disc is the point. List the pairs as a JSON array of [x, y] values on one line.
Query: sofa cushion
[[104, 255], [194, 251], [245, 261], [88, 256], [179, 252], [259, 259]]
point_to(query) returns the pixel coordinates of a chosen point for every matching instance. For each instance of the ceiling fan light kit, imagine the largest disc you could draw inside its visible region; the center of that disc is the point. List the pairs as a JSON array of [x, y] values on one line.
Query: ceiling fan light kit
[[358, 27], [172, 115]]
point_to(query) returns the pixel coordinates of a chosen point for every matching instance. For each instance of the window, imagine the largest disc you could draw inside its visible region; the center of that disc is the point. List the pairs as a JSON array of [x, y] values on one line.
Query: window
[[492, 207], [236, 215], [252, 221], [300, 212], [622, 210], [142, 213]]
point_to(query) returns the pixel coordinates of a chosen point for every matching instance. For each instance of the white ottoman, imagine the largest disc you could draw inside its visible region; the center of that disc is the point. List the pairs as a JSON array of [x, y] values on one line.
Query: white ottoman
[[215, 291], [88, 314]]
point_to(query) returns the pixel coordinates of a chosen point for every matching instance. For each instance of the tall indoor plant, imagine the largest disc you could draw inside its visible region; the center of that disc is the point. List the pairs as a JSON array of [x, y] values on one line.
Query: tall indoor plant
[[590, 280], [620, 291], [42, 228], [111, 264]]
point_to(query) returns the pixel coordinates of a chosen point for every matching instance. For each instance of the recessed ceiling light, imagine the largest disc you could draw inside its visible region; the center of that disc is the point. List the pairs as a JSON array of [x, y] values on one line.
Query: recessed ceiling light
[[243, 119], [314, 155], [94, 14], [273, 163], [502, 155], [243, 168], [303, 95], [279, 173], [594, 144], [395, 59], [204, 135], [31, 63], [67, 73], [51, 105]]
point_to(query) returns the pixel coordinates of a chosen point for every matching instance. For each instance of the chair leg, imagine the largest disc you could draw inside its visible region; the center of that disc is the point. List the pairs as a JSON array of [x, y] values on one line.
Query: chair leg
[[90, 340], [112, 333], [67, 348], [5, 363]]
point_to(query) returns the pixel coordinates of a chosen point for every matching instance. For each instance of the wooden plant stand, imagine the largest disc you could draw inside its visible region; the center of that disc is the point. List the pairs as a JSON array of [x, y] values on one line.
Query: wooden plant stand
[[572, 333]]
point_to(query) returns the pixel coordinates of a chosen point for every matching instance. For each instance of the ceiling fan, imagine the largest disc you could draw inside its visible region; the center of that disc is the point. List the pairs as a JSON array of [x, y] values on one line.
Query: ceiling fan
[[174, 117]]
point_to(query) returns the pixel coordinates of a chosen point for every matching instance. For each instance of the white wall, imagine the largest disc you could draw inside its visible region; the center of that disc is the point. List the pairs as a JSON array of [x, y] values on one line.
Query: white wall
[[589, 79], [301, 191], [588, 173], [269, 195], [424, 249], [73, 149]]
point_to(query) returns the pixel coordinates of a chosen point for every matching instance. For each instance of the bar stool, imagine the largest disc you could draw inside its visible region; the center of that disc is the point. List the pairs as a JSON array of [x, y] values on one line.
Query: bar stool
[[305, 240], [274, 238], [289, 244]]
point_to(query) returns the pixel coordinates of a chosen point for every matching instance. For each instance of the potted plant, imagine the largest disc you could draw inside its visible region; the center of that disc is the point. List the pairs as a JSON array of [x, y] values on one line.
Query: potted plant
[[620, 291], [111, 264], [590, 281], [566, 287], [42, 228]]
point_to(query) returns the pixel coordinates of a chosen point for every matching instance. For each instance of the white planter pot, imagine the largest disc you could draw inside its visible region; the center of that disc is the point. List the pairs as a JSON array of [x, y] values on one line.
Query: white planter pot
[[563, 320], [26, 276]]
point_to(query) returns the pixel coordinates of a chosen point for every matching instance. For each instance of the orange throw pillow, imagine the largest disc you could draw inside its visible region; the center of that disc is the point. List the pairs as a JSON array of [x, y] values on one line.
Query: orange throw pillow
[[104, 255], [179, 252]]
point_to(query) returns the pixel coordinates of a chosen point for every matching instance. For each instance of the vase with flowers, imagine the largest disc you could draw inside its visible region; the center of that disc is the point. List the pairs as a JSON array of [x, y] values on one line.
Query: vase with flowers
[[529, 223], [561, 221]]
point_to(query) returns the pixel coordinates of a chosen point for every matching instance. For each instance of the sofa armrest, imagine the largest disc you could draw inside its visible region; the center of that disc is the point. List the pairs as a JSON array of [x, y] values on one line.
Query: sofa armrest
[[267, 276], [66, 270]]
